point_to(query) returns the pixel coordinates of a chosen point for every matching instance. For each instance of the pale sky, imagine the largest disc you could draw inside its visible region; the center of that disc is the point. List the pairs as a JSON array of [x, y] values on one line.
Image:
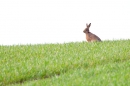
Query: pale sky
[[59, 21]]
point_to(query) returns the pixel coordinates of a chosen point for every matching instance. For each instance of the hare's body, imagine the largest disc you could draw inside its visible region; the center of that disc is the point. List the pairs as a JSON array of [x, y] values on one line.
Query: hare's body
[[90, 37]]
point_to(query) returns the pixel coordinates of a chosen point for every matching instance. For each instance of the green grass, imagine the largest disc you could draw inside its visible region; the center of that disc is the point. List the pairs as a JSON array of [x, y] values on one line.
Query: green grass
[[70, 64]]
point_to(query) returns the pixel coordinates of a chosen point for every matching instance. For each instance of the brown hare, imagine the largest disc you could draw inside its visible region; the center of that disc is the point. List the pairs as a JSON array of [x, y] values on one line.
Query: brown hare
[[90, 37]]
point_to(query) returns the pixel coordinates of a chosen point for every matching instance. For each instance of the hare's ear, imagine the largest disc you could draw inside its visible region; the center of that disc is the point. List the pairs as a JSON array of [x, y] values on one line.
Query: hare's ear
[[86, 25], [89, 24]]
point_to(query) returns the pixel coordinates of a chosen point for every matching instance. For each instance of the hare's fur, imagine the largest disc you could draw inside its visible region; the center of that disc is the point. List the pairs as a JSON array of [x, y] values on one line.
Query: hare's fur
[[90, 37]]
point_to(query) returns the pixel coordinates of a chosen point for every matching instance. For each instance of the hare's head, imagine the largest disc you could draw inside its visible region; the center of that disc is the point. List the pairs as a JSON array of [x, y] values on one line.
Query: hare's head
[[86, 30]]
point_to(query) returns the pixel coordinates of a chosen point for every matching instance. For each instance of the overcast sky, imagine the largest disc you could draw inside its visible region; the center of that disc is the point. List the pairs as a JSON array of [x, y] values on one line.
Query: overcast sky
[[58, 21]]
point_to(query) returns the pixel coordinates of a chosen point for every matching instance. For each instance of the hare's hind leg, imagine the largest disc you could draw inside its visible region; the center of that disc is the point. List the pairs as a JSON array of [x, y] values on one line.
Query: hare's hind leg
[[95, 40]]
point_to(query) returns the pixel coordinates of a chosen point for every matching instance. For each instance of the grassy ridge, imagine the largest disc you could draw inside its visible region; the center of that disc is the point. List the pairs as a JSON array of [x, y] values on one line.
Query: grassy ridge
[[100, 63]]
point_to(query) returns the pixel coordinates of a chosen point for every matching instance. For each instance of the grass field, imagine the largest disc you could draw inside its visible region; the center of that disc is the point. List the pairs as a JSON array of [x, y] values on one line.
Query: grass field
[[70, 64]]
